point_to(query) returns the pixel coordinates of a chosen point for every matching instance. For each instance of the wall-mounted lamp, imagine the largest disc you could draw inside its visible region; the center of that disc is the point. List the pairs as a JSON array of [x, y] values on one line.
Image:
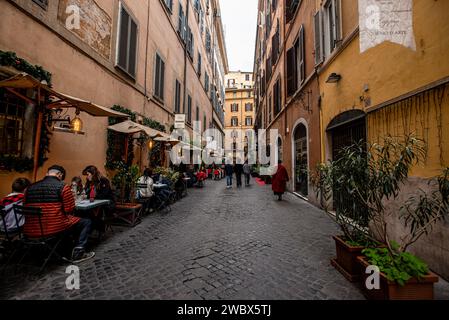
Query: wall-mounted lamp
[[150, 144], [333, 78], [77, 124]]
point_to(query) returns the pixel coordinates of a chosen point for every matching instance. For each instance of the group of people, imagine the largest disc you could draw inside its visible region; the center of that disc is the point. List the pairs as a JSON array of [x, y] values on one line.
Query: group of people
[[239, 170], [279, 179], [57, 202]]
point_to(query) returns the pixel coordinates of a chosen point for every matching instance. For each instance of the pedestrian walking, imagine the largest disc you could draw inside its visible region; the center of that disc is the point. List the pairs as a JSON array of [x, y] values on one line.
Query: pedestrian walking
[[238, 174], [247, 173], [229, 171], [279, 181]]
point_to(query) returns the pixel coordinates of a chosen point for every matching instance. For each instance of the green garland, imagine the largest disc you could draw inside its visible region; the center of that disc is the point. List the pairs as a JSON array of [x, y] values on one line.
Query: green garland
[[110, 163], [8, 58]]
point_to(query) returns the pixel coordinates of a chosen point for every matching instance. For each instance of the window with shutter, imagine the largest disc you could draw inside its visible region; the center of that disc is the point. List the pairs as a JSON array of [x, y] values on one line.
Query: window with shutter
[[159, 78], [277, 97], [177, 97], [182, 23], [189, 109], [199, 64], [300, 57], [318, 39], [291, 71], [206, 83], [197, 113], [127, 43]]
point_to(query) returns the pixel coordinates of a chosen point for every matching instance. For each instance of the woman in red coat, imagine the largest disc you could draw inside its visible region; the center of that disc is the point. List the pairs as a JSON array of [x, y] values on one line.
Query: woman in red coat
[[279, 181]]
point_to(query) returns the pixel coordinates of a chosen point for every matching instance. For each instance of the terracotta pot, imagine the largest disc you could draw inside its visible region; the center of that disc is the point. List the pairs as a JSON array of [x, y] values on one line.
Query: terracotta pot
[[414, 289], [346, 261]]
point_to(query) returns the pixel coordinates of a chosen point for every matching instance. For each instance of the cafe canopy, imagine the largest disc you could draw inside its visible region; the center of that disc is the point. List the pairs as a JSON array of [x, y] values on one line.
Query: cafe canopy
[[130, 127], [57, 99]]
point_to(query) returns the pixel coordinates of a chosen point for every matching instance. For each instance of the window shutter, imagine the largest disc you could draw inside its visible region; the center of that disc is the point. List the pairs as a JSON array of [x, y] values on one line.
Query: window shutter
[[301, 58], [318, 38], [132, 49], [123, 40], [337, 21], [291, 68], [162, 79], [157, 76]]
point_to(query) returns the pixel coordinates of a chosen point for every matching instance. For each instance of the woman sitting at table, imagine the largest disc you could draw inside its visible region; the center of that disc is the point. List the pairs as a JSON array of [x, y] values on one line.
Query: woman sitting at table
[[78, 188], [99, 188], [145, 191]]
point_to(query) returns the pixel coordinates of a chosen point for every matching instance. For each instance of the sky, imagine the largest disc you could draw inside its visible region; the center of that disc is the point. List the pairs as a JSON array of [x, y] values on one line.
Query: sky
[[240, 19]]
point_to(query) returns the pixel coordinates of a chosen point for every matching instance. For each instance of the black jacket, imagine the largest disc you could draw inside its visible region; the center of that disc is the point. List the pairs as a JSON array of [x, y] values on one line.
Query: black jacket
[[229, 169], [239, 169]]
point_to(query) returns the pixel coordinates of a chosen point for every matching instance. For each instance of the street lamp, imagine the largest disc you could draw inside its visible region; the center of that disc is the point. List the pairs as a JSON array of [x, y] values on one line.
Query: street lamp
[[333, 78]]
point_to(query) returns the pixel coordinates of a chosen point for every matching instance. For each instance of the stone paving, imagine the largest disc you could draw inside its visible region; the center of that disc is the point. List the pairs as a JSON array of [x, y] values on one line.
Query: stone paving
[[214, 244]]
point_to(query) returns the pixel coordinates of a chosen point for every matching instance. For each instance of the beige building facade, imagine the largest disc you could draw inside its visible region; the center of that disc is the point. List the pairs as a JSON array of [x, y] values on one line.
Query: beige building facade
[[239, 112], [156, 58]]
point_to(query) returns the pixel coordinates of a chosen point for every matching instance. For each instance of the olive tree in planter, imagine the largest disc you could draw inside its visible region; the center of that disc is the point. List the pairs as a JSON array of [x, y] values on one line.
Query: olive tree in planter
[[357, 184], [403, 275]]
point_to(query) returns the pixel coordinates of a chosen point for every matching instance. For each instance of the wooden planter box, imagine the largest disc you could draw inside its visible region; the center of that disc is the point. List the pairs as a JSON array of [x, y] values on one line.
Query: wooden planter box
[[346, 261], [127, 214], [414, 289]]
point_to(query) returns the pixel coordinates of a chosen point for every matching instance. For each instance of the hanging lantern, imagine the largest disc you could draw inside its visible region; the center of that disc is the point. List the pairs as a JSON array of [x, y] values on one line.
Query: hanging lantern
[[151, 144], [77, 124]]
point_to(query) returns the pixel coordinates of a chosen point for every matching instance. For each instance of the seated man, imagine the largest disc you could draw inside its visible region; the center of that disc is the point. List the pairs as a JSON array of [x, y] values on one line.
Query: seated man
[[16, 197], [57, 203]]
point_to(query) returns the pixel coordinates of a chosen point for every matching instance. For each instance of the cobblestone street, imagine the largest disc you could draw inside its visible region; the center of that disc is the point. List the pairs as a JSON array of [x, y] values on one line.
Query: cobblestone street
[[214, 244]]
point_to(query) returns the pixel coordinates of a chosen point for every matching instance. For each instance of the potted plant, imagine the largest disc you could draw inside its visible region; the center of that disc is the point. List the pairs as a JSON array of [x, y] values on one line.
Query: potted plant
[[357, 185], [125, 180], [403, 275]]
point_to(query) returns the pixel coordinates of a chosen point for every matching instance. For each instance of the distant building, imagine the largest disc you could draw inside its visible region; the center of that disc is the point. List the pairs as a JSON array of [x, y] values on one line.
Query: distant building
[[239, 111]]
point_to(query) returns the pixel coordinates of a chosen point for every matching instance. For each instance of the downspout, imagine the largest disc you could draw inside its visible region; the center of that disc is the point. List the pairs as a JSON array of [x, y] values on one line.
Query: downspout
[[146, 56], [146, 73], [185, 59]]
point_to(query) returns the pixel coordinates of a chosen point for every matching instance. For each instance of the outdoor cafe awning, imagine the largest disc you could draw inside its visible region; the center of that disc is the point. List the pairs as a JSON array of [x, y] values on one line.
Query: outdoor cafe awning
[[167, 139], [130, 127], [59, 99]]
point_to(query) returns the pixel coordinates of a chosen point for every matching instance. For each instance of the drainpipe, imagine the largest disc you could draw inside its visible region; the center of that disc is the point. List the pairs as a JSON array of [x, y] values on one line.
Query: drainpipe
[[185, 59]]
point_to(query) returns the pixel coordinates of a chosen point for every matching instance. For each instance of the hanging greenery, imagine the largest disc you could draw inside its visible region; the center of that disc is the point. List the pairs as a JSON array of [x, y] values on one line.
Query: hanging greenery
[[13, 162], [111, 164], [8, 58]]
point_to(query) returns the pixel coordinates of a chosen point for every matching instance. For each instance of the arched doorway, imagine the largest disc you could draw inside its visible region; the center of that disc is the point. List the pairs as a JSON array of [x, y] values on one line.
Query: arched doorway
[[346, 129], [301, 160]]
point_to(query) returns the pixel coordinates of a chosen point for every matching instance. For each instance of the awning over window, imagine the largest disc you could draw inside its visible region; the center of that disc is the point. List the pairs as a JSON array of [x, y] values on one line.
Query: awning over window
[[59, 100], [130, 127]]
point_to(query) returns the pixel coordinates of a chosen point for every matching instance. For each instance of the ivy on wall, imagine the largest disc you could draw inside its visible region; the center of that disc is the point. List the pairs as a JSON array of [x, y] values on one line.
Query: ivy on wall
[[8, 58], [14, 162], [154, 154]]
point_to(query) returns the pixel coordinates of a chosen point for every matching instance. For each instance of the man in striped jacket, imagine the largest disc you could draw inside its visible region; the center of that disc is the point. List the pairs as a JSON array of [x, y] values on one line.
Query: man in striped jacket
[[57, 203]]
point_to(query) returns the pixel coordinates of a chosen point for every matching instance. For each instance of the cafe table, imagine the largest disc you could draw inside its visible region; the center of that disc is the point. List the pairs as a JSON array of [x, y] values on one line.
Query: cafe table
[[84, 206]]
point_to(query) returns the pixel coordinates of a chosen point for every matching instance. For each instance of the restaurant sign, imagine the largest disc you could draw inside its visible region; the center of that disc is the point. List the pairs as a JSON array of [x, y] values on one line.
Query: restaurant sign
[[386, 20]]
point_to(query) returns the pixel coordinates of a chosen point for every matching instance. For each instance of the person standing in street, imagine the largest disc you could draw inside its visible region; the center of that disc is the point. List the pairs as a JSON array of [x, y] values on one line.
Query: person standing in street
[[279, 181], [238, 174], [229, 170], [247, 173]]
